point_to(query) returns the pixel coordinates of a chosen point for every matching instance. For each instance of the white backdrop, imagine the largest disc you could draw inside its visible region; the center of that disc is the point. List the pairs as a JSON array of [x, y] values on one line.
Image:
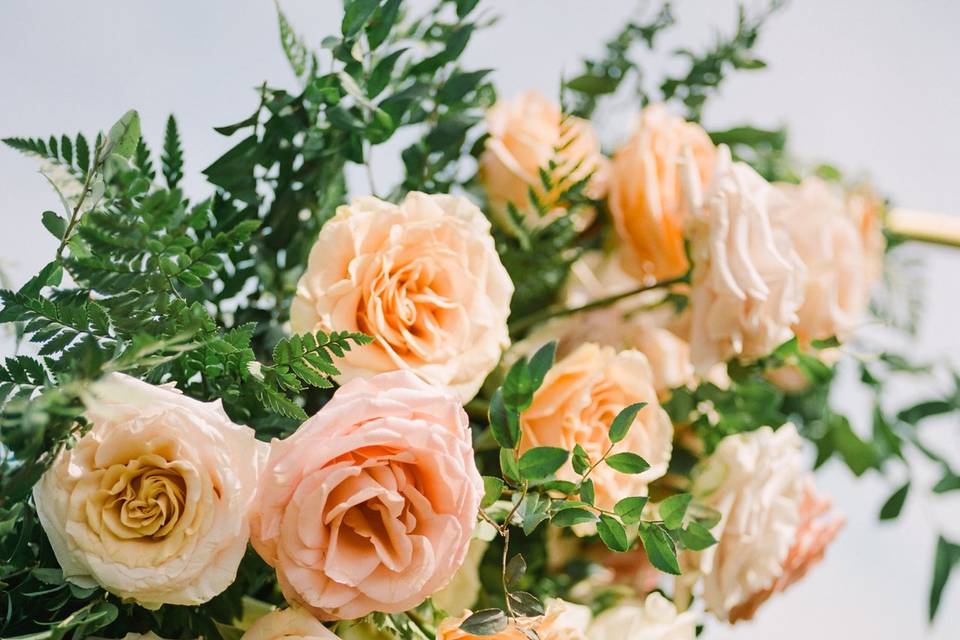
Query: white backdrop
[[870, 85]]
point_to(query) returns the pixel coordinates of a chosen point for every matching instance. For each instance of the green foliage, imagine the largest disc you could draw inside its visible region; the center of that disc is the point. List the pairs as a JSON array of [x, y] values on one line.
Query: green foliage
[[172, 158]]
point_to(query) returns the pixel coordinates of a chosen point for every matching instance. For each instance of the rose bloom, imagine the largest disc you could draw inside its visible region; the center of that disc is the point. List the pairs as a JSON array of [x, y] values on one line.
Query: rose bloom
[[831, 247], [370, 504], [462, 591], [655, 618], [289, 623], [526, 133], [423, 278], [773, 528], [747, 278], [152, 503], [623, 325], [646, 196], [561, 621], [580, 397]]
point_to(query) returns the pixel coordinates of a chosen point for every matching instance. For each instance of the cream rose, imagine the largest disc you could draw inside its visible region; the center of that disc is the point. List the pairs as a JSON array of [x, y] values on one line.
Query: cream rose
[[423, 278], [561, 621], [829, 244], [289, 624], [526, 133], [655, 618], [152, 503], [747, 278], [580, 397], [370, 504], [646, 196], [771, 528]]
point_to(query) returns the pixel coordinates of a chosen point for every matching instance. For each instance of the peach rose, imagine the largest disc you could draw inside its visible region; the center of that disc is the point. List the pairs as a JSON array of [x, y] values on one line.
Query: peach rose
[[771, 529], [747, 278], [526, 133], [654, 618], [646, 196], [423, 278], [152, 503], [830, 246], [580, 397], [561, 621], [290, 624], [621, 325], [370, 504]]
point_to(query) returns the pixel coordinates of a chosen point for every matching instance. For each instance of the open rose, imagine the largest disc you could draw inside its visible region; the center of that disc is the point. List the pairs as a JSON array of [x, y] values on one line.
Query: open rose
[[623, 325], [423, 278], [747, 278], [526, 134], [370, 504], [773, 527], [561, 621], [646, 197], [828, 242], [152, 503], [580, 397]]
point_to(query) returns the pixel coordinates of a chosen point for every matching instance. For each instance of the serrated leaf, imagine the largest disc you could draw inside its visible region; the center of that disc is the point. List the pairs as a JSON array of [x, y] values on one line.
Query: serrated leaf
[[627, 462], [587, 492], [624, 420]]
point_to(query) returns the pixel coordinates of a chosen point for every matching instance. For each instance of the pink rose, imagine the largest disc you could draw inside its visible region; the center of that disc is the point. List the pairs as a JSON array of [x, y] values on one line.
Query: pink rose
[[370, 504]]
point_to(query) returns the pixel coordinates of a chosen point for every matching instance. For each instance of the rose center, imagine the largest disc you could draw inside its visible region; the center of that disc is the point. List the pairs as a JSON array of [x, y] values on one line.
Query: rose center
[[143, 498], [404, 305]]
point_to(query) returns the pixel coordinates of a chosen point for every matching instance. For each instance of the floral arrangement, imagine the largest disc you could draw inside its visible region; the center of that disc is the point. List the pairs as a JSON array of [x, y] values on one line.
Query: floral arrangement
[[538, 389]]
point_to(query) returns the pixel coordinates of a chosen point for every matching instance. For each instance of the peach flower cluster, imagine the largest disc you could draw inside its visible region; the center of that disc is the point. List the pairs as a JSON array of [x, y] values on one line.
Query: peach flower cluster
[[525, 135], [773, 527], [153, 501], [290, 624], [423, 278], [370, 504], [580, 397]]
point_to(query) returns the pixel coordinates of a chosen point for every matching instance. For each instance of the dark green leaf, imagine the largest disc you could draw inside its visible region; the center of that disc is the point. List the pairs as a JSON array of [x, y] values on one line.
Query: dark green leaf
[[945, 559], [53, 223], [569, 517], [356, 13], [894, 504], [486, 622], [922, 410], [612, 533], [504, 423], [514, 570], [630, 509], [587, 492], [541, 462], [697, 537], [673, 509], [627, 462], [492, 488], [660, 548], [624, 420]]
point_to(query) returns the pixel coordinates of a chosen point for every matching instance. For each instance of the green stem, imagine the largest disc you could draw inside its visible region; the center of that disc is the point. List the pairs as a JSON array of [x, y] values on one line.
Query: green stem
[[522, 324]]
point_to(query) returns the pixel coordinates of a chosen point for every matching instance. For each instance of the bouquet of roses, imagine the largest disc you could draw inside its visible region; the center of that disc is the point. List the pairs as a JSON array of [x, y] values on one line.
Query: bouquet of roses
[[537, 389]]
